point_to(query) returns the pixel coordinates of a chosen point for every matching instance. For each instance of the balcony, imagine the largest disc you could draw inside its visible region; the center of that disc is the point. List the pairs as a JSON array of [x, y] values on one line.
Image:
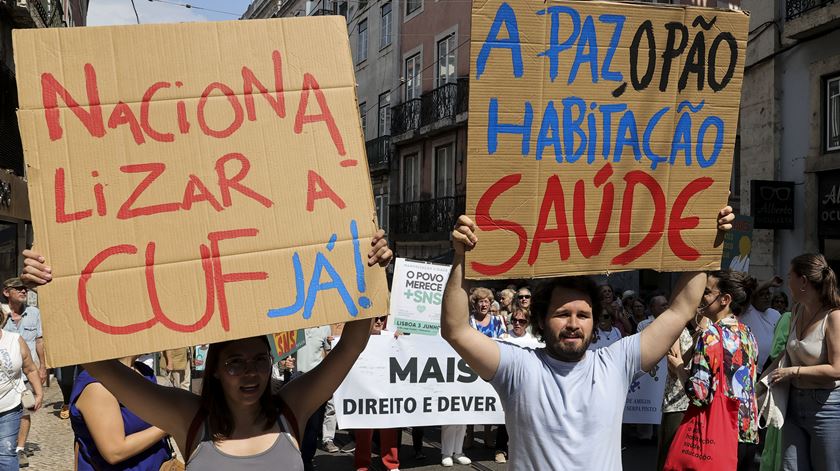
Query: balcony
[[379, 154], [435, 109], [425, 220], [807, 18]]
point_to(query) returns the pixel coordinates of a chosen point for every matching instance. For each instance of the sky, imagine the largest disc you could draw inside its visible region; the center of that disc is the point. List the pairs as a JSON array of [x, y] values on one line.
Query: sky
[[119, 12]]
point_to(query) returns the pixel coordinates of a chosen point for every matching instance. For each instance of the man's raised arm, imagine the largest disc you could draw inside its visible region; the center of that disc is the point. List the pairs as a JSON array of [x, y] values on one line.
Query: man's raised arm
[[657, 339], [481, 353]]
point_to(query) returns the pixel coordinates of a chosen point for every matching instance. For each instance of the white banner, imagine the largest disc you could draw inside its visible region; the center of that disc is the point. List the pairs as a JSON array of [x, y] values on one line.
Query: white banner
[[416, 296], [644, 400], [413, 380]]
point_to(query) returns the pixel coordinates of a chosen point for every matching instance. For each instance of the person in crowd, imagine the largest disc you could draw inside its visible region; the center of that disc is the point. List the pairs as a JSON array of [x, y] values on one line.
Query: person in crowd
[[495, 312], [25, 321], [563, 376], [523, 297], [15, 358], [236, 423], [638, 313], [771, 455], [330, 419], [627, 301], [107, 435], [520, 325], [612, 307], [177, 367], [388, 438], [657, 305], [65, 376], [726, 297], [606, 334], [309, 356], [482, 318], [505, 298], [674, 400], [811, 431], [780, 302], [762, 319]]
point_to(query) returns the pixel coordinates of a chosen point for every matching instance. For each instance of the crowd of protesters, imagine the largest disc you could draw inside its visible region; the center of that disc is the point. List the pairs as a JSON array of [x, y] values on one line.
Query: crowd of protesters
[[548, 346]]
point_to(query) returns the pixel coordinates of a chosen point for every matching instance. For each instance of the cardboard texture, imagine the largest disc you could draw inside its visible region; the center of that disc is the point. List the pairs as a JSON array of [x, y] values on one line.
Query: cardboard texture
[[600, 135], [194, 183]]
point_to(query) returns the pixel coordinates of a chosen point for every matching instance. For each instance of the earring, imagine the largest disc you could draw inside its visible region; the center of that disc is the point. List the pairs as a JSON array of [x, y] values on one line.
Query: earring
[[802, 289]]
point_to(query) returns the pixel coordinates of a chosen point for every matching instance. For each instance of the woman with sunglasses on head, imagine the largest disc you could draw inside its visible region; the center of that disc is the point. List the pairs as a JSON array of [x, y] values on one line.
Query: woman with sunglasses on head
[[728, 341], [811, 431], [236, 423]]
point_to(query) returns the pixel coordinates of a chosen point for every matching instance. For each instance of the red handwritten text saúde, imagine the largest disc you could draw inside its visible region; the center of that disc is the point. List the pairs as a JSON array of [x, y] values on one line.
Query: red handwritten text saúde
[[558, 230]]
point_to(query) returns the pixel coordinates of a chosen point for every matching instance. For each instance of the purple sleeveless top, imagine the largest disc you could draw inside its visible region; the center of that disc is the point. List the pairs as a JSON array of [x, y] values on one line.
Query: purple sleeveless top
[[89, 457]]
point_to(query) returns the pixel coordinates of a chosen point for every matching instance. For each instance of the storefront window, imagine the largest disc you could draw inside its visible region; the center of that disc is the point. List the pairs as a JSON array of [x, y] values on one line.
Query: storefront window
[[8, 250]]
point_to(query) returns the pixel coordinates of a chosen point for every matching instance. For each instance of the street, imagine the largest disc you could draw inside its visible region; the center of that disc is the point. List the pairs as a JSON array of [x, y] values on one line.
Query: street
[[51, 444]]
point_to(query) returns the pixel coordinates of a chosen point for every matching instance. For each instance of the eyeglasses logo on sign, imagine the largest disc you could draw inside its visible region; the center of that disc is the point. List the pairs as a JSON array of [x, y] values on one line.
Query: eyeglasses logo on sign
[[771, 204]]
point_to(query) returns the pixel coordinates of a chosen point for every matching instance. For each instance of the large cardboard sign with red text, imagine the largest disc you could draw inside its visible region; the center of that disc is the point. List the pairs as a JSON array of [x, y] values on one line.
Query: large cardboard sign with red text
[[600, 135], [194, 183]]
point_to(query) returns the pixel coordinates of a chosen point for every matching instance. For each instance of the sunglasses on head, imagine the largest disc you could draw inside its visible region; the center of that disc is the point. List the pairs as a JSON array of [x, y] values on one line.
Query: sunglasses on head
[[240, 366]]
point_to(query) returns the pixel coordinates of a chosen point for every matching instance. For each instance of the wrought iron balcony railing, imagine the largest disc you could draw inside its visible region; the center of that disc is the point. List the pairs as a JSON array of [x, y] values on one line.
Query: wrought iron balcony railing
[[433, 217], [796, 8], [443, 102], [379, 153]]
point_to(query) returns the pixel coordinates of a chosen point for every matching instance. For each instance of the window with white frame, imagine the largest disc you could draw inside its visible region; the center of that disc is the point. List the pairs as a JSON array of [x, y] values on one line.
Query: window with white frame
[[413, 77], [445, 60], [363, 116], [385, 27], [385, 114], [832, 114], [382, 201], [411, 177], [445, 171], [362, 51], [412, 5]]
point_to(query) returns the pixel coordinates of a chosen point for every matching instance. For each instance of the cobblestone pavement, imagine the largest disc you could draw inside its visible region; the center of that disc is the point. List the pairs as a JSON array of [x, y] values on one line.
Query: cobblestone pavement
[[51, 444], [50, 439]]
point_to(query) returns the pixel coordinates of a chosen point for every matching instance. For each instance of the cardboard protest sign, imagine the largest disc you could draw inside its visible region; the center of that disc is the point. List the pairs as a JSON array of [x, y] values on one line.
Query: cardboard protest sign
[[284, 344], [414, 381], [416, 296], [600, 135], [195, 182]]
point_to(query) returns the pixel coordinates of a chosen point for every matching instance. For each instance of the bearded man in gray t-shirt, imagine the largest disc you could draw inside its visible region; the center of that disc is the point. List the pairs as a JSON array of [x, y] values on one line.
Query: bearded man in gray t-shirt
[[563, 405]]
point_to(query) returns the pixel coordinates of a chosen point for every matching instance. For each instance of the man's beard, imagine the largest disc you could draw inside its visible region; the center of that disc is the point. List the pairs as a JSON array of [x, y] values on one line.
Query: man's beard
[[566, 352]]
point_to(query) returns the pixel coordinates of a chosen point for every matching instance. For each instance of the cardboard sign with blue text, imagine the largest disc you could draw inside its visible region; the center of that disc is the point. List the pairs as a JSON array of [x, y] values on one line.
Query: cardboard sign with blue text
[[416, 296], [187, 189], [600, 135]]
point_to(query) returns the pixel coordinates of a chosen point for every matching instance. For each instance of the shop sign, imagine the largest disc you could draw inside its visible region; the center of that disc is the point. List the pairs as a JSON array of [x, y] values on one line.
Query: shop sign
[[771, 204], [828, 204]]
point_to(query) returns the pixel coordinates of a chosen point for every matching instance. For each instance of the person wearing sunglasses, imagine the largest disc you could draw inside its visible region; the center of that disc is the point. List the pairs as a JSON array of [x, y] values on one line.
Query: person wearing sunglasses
[[520, 325], [523, 298], [236, 423]]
